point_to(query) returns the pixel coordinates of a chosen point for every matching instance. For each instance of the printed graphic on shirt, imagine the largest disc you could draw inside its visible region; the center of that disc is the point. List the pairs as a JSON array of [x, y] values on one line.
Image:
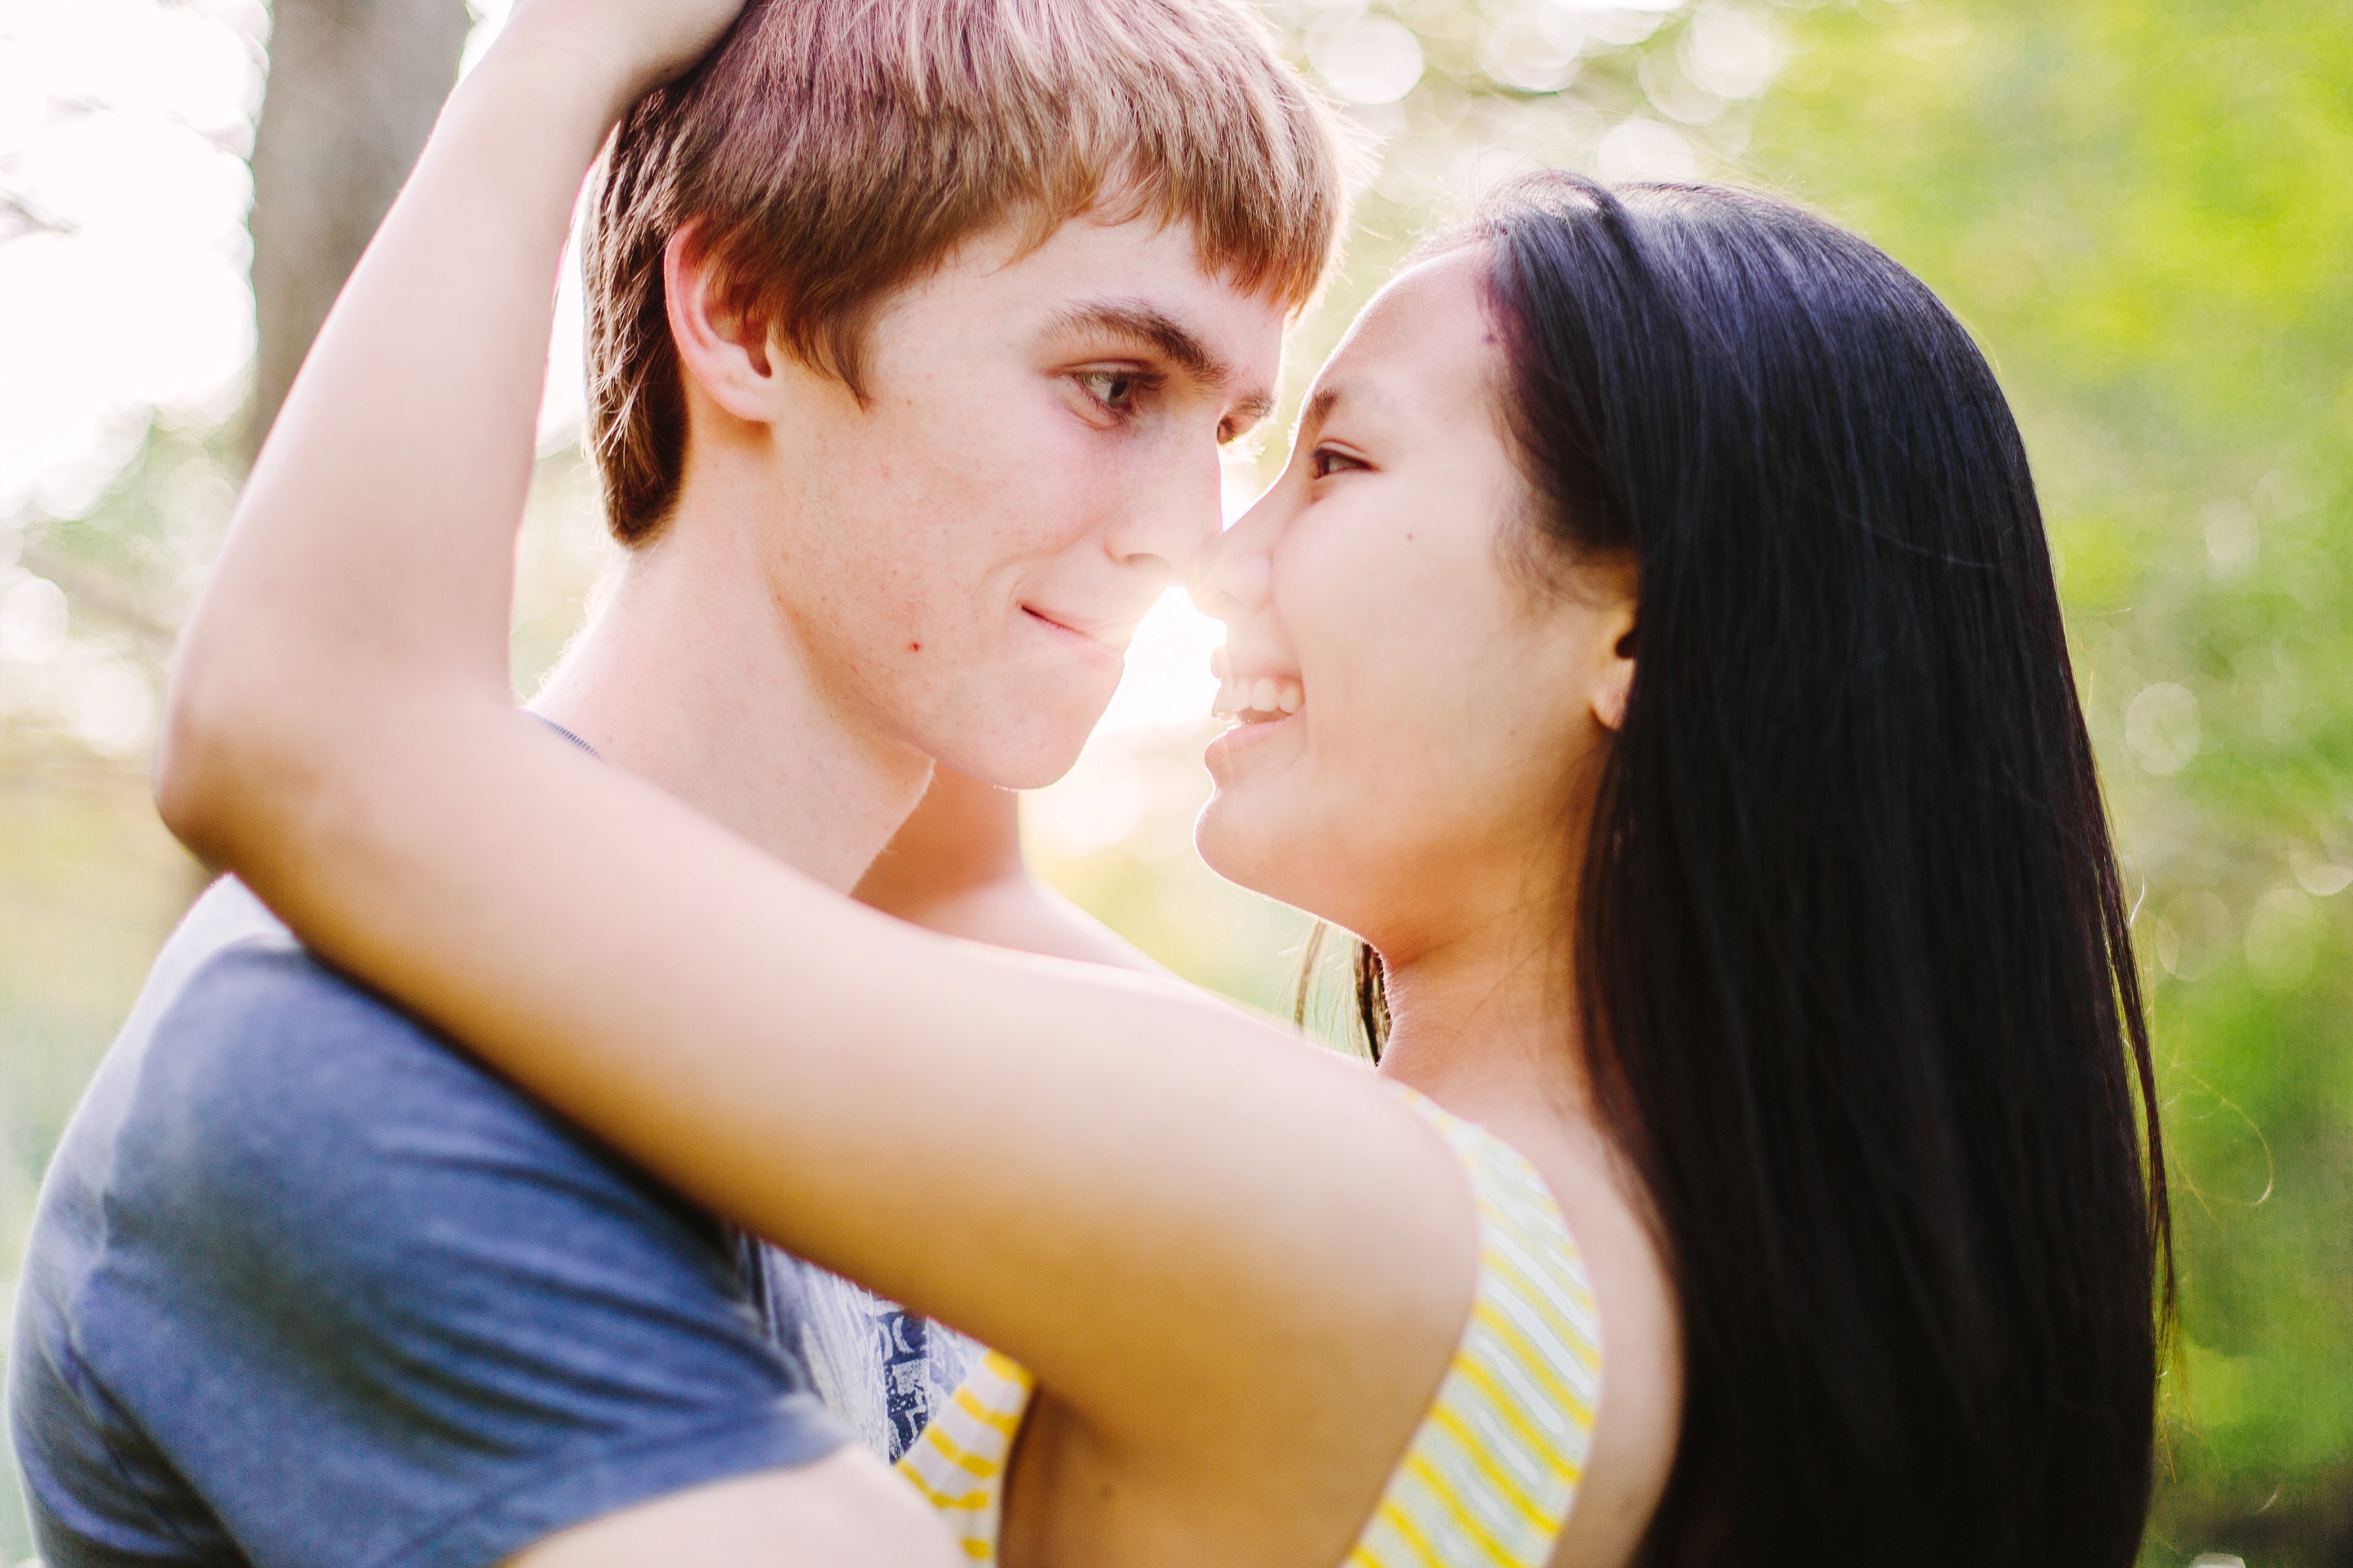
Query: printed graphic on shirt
[[904, 1342], [882, 1371]]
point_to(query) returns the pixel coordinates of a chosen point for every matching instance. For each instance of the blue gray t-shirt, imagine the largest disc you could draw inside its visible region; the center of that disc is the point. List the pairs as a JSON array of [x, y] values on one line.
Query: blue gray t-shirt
[[309, 1287]]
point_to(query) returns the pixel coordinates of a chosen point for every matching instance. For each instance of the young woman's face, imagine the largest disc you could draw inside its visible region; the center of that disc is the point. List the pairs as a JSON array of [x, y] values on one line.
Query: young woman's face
[[1412, 705]]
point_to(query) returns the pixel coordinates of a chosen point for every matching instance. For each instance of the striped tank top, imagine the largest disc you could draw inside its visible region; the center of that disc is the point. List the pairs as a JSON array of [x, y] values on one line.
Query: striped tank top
[[1489, 1475]]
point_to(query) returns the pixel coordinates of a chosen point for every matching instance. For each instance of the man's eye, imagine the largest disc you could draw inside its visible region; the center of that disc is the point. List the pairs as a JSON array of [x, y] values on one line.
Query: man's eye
[[1115, 389]]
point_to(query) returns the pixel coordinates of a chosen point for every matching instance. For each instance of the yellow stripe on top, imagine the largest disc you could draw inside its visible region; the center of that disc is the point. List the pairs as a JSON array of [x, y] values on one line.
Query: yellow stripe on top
[[958, 1463], [1492, 1473], [1489, 1480]]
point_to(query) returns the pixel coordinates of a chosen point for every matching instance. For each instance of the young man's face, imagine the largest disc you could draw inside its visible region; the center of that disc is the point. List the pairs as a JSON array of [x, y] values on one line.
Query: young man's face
[[966, 556]]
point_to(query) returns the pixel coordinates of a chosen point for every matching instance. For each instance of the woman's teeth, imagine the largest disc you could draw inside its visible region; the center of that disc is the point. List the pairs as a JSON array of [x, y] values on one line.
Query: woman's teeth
[[1257, 700], [1253, 700]]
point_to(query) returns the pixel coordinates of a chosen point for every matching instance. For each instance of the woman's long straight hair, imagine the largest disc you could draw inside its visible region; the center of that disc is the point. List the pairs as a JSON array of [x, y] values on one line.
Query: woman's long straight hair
[[1858, 995]]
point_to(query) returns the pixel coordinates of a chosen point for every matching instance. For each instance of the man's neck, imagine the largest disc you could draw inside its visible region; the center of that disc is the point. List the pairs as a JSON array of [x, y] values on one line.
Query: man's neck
[[691, 678]]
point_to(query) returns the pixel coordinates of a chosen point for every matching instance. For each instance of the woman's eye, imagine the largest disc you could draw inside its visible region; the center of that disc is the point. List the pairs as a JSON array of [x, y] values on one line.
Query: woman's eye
[[1324, 462]]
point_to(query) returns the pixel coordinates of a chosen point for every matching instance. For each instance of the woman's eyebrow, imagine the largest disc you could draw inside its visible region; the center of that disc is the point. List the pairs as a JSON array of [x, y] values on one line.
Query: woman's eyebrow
[[1319, 409], [1365, 398]]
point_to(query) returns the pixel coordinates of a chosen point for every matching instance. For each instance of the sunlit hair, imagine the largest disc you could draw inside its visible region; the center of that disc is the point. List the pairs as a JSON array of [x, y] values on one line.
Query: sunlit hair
[[835, 150], [1859, 1003]]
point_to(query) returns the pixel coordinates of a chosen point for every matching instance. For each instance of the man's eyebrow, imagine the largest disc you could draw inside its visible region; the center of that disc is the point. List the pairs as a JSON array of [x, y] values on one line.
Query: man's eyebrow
[[1250, 410], [1148, 323]]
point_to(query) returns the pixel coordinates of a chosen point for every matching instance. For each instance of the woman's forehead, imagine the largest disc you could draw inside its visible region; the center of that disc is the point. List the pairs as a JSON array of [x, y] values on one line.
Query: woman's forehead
[[1423, 348]]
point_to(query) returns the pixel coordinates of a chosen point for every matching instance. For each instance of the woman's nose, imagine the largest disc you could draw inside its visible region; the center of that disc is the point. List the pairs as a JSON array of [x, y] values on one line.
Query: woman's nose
[[1230, 572]]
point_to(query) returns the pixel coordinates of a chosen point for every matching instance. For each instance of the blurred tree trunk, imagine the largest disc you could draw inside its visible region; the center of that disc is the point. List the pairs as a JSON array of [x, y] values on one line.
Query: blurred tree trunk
[[353, 87]]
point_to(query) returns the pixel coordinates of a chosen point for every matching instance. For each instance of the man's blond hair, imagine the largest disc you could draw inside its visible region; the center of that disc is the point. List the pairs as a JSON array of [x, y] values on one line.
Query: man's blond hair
[[835, 150]]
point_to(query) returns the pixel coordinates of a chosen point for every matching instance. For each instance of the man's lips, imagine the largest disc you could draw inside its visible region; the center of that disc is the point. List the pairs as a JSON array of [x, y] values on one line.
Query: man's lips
[[1112, 637]]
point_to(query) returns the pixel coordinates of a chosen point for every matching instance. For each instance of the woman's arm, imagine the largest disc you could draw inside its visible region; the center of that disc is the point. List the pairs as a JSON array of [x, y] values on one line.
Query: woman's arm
[[1163, 1233]]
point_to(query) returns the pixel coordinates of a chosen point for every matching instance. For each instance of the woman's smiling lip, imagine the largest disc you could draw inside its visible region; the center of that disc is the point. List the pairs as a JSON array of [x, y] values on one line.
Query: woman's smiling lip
[[1241, 736]]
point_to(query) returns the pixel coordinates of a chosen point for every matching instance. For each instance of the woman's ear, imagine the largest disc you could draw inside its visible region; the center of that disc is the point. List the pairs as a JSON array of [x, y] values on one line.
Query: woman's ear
[[723, 348], [1616, 673], [1612, 587]]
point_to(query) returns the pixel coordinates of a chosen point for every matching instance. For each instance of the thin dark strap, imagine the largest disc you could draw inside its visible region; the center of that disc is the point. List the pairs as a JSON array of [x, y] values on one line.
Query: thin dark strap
[[565, 733]]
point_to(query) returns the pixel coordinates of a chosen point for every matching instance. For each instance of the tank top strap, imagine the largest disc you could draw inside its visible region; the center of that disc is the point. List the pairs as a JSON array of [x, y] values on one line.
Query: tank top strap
[[1490, 1476], [959, 1460], [1490, 1473]]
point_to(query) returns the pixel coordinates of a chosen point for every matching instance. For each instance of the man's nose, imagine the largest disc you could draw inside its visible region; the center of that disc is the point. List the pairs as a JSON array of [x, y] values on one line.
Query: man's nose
[[1174, 513]]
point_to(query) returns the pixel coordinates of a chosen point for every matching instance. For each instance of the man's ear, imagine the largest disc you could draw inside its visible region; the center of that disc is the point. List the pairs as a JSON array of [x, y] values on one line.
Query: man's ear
[[724, 349]]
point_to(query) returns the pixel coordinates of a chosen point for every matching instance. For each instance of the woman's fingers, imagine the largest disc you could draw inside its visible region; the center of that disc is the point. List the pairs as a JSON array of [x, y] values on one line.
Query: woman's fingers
[[628, 46]]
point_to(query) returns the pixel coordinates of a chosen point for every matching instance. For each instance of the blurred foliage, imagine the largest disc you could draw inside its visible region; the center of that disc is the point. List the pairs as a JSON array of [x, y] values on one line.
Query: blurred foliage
[[2144, 214]]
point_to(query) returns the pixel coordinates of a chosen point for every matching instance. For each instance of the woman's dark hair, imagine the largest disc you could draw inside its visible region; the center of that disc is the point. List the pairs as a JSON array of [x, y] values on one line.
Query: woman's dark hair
[[1858, 992]]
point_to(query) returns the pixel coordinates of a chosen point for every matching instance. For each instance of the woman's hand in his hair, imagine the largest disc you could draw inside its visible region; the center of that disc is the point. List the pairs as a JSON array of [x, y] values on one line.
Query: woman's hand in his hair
[[626, 47]]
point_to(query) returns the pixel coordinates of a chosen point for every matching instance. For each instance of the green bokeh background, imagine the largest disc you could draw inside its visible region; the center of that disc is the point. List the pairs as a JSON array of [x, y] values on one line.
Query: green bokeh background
[[2145, 213]]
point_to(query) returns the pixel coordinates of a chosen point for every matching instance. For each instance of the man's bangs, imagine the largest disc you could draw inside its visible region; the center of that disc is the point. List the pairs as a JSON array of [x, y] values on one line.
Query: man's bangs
[[836, 153]]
